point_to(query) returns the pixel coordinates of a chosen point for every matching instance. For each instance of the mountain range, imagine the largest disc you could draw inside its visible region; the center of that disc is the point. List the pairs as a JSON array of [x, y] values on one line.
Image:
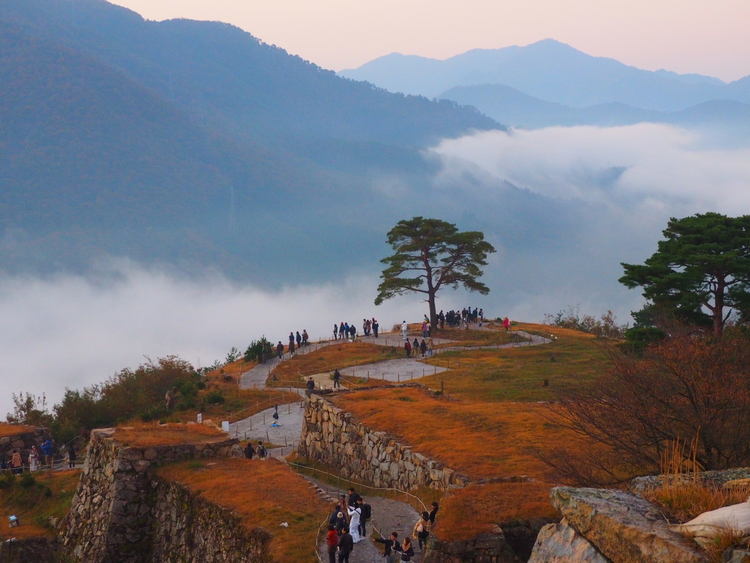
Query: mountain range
[[190, 142], [549, 71]]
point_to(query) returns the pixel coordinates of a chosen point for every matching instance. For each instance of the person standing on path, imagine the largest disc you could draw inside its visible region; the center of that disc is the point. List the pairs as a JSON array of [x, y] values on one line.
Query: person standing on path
[[375, 327], [280, 349], [71, 456], [291, 344], [310, 386], [16, 463], [332, 540], [299, 340], [407, 347], [47, 449], [430, 347], [355, 513], [506, 324], [33, 459], [305, 337], [262, 451], [415, 346], [424, 329], [335, 331], [433, 513], [422, 530], [346, 546], [336, 379], [366, 510], [404, 328], [407, 551], [391, 547], [423, 348], [249, 450]]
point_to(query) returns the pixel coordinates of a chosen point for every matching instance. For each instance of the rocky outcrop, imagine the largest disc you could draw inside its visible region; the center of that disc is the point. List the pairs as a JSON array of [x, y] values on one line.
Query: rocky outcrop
[[716, 479], [559, 543], [335, 438], [33, 550], [485, 548], [122, 514], [616, 525]]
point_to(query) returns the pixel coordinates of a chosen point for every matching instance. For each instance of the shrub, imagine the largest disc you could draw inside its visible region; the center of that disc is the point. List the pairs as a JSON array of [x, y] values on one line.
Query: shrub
[[606, 326], [257, 348], [27, 480], [215, 397]]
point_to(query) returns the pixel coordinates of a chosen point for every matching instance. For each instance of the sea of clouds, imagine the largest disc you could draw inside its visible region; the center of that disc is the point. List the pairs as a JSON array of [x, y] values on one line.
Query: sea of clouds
[[608, 193]]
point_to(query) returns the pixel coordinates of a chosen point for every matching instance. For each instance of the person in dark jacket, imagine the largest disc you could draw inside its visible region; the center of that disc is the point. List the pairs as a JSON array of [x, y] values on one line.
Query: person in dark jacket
[[366, 510], [346, 546], [71, 456], [336, 379], [353, 497], [433, 513], [391, 547], [407, 551], [422, 530], [423, 348], [249, 451], [280, 349]]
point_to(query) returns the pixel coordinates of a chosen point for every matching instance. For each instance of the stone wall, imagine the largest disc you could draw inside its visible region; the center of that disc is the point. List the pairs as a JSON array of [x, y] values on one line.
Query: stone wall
[[23, 442], [122, 514], [335, 438], [486, 548]]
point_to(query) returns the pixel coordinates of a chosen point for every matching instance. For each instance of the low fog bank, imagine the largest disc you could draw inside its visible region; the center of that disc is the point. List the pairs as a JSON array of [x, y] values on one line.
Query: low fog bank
[[72, 331], [566, 206]]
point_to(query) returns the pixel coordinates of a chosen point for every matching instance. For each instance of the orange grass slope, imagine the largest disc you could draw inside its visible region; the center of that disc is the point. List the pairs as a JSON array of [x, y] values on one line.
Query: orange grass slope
[[168, 434], [33, 505], [264, 493], [9, 430], [481, 440]]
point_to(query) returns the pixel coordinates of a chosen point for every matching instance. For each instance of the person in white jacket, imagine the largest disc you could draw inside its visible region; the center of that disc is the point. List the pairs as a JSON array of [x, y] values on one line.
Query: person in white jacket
[[404, 327], [354, 515]]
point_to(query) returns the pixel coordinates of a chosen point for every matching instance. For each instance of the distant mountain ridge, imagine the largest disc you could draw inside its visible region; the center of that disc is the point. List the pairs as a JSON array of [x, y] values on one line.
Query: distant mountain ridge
[[553, 72], [185, 142], [520, 110]]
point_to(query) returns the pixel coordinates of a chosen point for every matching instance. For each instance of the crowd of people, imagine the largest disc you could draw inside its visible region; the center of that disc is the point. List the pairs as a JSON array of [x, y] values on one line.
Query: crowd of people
[[37, 458], [347, 526], [346, 331]]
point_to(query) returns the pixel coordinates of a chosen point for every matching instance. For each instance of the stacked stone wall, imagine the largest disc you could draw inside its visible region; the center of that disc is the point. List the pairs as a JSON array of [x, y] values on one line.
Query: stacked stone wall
[[122, 514], [335, 438], [23, 443]]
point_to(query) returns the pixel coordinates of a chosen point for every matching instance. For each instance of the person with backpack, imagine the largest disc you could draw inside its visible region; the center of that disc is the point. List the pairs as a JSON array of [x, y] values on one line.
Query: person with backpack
[[249, 450], [366, 515], [391, 547], [262, 451]]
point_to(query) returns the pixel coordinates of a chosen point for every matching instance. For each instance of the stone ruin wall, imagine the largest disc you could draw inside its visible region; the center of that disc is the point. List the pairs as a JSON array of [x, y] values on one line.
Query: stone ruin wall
[[335, 438], [23, 443], [122, 514]]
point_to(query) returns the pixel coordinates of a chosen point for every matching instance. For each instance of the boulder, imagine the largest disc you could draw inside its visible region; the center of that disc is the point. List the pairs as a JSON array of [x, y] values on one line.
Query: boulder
[[559, 543], [625, 528]]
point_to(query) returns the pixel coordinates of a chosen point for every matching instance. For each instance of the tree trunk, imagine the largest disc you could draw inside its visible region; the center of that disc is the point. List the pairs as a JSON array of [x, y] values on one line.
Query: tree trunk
[[433, 313], [719, 309]]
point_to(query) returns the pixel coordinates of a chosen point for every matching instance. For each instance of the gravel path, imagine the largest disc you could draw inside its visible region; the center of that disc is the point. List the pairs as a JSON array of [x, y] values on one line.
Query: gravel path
[[387, 516], [260, 427]]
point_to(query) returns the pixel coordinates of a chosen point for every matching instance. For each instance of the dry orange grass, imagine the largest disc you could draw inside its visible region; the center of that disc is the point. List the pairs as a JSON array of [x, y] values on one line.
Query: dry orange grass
[[335, 356], [167, 434], [482, 440], [33, 507], [264, 493], [7, 430], [474, 510]]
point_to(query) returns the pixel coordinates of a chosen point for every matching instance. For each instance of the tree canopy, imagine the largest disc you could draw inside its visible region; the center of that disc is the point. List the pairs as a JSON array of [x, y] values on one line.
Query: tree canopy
[[703, 264], [431, 254]]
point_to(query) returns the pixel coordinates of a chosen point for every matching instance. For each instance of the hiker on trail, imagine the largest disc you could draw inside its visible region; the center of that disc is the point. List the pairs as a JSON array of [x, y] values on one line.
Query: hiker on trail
[[404, 328], [342, 505], [375, 327], [262, 451], [433, 513], [341, 330], [299, 339], [71, 456], [407, 347], [275, 415], [430, 347], [332, 541], [291, 344], [170, 397], [506, 324], [340, 522], [334, 515], [16, 463], [391, 547], [336, 379], [305, 337], [280, 349], [346, 330], [424, 329], [48, 449], [407, 551], [355, 513], [352, 498], [310, 386], [346, 546], [422, 530], [335, 331], [249, 450], [353, 332], [366, 510], [415, 347], [366, 327], [441, 319], [33, 459], [423, 348]]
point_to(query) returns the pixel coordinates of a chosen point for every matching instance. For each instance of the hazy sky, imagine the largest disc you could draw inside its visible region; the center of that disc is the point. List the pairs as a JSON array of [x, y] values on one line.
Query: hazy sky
[[679, 35]]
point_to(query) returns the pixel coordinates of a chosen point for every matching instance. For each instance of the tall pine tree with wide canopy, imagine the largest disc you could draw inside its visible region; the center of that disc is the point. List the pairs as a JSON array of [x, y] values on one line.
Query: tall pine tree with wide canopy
[[430, 255], [703, 264]]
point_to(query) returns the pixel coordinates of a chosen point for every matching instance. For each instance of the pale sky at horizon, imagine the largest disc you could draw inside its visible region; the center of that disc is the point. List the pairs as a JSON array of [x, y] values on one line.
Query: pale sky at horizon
[[685, 36]]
